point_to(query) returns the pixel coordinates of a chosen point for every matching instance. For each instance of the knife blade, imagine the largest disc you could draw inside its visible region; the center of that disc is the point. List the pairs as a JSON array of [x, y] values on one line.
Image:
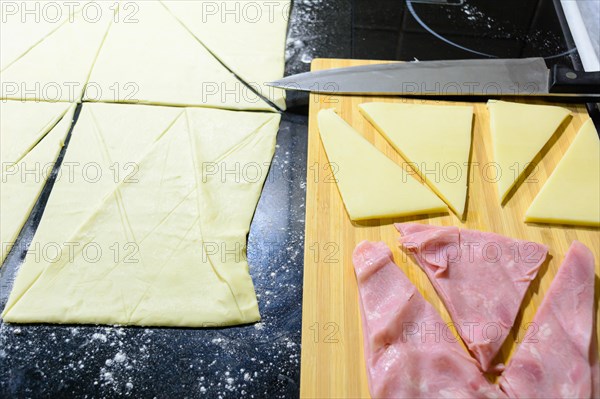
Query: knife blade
[[486, 77]]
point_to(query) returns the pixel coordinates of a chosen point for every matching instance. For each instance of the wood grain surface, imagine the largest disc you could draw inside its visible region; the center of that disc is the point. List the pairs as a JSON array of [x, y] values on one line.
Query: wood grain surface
[[332, 349]]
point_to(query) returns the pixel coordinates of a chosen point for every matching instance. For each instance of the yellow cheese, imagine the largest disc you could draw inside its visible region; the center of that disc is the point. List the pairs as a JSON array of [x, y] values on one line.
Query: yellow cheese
[[572, 193], [519, 132], [371, 185], [435, 140]]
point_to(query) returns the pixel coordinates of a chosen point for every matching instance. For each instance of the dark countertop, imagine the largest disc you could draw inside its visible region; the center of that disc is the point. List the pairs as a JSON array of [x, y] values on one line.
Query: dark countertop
[[263, 360]]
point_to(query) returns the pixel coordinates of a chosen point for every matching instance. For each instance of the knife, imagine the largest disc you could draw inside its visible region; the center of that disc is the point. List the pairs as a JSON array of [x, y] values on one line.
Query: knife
[[487, 77]]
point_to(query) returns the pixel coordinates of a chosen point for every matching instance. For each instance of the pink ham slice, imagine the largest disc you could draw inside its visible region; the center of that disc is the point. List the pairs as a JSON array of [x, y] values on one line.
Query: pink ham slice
[[409, 351], [481, 278], [559, 355]]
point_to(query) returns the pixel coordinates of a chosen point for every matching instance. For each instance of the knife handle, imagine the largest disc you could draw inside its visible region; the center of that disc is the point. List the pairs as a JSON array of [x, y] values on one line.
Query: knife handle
[[566, 80]]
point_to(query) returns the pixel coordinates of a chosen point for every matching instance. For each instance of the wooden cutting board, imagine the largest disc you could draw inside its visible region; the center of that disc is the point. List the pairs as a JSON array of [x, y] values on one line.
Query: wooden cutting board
[[332, 349]]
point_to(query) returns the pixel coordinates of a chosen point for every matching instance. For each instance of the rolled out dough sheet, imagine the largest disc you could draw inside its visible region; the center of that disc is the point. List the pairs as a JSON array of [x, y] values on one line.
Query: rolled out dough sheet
[[154, 59], [24, 175], [246, 35], [56, 65], [434, 139], [166, 248]]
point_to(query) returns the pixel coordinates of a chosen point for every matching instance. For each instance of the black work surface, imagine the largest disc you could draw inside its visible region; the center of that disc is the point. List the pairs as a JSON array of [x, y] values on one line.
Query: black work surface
[[263, 360]]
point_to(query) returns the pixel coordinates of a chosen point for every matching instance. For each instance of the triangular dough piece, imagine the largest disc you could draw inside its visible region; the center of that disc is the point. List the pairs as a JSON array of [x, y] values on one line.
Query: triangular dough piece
[[434, 139], [571, 195], [371, 185], [408, 354], [49, 71], [519, 132], [247, 36], [167, 249], [481, 278], [23, 181], [559, 356], [157, 61], [23, 124]]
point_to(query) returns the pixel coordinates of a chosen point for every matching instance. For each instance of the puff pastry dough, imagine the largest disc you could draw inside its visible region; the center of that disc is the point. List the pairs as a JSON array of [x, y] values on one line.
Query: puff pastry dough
[[246, 35], [57, 66], [156, 60], [165, 249], [32, 135]]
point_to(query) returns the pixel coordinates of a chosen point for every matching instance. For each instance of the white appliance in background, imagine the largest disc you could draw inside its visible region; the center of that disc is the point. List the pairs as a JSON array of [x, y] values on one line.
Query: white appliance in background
[[583, 17]]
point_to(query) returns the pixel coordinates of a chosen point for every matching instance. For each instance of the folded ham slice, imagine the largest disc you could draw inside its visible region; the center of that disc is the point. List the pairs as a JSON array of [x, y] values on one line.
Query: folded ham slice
[[559, 355], [481, 278], [409, 351]]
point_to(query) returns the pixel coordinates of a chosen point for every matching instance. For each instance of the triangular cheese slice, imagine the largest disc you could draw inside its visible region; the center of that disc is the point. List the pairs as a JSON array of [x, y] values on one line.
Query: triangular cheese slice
[[23, 124], [157, 61], [435, 140], [481, 278], [571, 195], [238, 31], [558, 357], [519, 132], [23, 181], [49, 71], [371, 185], [169, 248], [409, 350]]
